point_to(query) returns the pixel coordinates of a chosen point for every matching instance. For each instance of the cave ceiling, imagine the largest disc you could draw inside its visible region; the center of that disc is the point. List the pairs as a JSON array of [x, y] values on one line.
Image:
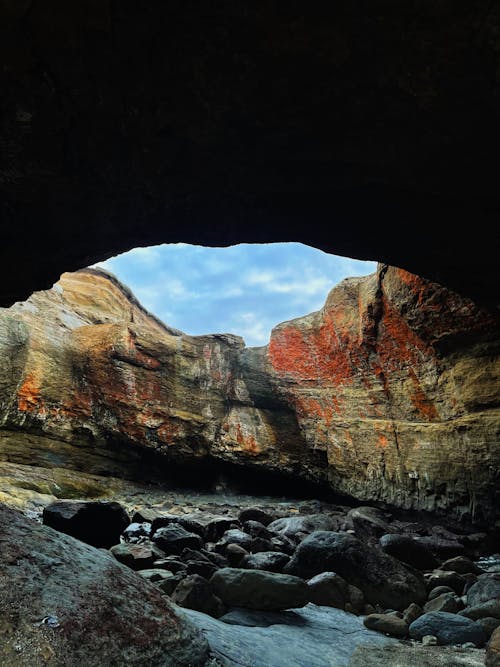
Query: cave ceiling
[[368, 129]]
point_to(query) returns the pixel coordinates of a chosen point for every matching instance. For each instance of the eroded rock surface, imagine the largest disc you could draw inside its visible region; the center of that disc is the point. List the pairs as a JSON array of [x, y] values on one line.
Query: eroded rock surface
[[389, 392]]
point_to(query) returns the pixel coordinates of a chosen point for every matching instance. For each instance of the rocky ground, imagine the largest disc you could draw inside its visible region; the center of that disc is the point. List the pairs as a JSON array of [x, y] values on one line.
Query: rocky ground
[[267, 580]]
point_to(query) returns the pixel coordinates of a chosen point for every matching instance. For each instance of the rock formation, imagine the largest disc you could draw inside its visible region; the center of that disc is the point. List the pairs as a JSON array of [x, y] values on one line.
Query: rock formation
[[388, 393]]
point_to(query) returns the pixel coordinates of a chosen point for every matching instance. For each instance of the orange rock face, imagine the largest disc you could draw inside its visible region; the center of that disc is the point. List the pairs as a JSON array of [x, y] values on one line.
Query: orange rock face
[[389, 392]]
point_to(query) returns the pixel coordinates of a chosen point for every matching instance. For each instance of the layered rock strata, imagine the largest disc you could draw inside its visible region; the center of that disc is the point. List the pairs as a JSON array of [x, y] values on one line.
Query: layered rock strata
[[389, 392]]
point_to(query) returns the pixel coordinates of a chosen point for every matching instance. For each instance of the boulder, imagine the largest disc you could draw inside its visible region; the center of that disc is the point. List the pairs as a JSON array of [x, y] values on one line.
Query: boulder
[[445, 602], [383, 579], [233, 536], [235, 554], [97, 523], [174, 538], [290, 526], [388, 624], [272, 561], [489, 625], [136, 556], [76, 605], [256, 514], [369, 522], [194, 592], [171, 563], [163, 579], [408, 550], [448, 628], [136, 531], [487, 587], [492, 658], [439, 590], [189, 524], [441, 548], [490, 608], [452, 580], [257, 529], [462, 565], [412, 612], [328, 589], [256, 589]]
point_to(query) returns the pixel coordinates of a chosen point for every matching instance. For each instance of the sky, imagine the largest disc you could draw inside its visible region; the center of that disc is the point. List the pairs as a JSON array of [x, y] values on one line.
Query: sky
[[245, 289]]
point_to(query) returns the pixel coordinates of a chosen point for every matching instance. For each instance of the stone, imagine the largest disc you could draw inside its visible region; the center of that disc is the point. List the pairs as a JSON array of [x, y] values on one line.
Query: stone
[[272, 561], [174, 538], [439, 590], [408, 550], [105, 611], [486, 588], [290, 526], [369, 522], [171, 563], [257, 529], [429, 640], [203, 568], [383, 579], [98, 523], [492, 658], [194, 592], [388, 624], [136, 556], [256, 514], [134, 531], [445, 578], [448, 628], [311, 636], [445, 602], [284, 544], [489, 625], [256, 589], [356, 602], [483, 610], [462, 565], [235, 553], [188, 524], [441, 548], [412, 612], [328, 589], [156, 575], [404, 654], [234, 536]]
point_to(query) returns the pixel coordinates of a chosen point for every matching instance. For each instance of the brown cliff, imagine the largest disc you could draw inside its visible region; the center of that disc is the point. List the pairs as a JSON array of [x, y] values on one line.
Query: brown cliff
[[389, 392]]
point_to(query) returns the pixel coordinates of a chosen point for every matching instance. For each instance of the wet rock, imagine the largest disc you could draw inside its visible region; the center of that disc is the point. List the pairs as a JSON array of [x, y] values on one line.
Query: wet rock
[[356, 602], [97, 523], [489, 625], [462, 565], [174, 538], [272, 561], [388, 624], [217, 559], [408, 550], [292, 525], [412, 612], [284, 544], [369, 522], [255, 514], [257, 529], [136, 556], [441, 547], [44, 572], [188, 524], [235, 553], [203, 568], [443, 578], [445, 602], [487, 587], [483, 610], [383, 579], [492, 658], [194, 592], [439, 590], [135, 531], [171, 563], [233, 536], [448, 628], [256, 589], [417, 655], [328, 589]]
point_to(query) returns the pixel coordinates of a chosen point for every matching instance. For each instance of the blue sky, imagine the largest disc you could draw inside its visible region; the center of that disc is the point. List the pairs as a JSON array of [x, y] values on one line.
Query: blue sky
[[245, 289]]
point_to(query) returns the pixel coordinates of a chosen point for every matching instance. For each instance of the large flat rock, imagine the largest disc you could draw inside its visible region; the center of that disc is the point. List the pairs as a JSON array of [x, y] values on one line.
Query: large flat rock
[[312, 636]]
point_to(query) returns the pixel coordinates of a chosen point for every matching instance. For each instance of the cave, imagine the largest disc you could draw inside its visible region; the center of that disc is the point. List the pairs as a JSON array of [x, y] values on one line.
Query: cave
[[366, 130]]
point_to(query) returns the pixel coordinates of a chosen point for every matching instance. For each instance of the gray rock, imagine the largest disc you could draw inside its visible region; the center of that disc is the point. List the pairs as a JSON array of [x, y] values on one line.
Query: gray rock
[[136, 530], [441, 548], [235, 553], [453, 580], [257, 529], [104, 610], [256, 514], [171, 563], [408, 550], [412, 612], [256, 589], [191, 525], [356, 602], [328, 589], [489, 625], [194, 592], [388, 624], [489, 608], [492, 658], [174, 538], [439, 590], [487, 587], [136, 556], [462, 565], [445, 602], [448, 628], [272, 561], [233, 536], [369, 522], [156, 576], [383, 579], [305, 523], [309, 637], [97, 523]]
